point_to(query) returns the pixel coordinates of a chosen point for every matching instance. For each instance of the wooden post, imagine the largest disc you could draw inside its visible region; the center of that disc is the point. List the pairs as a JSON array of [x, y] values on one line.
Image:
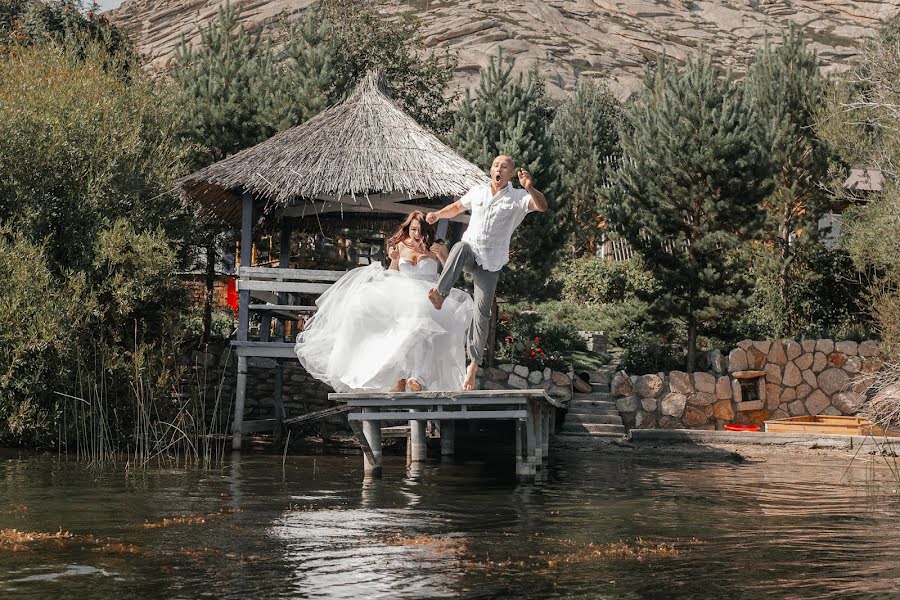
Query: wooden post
[[284, 256], [524, 461], [239, 401], [534, 408], [448, 433], [277, 399], [530, 438], [243, 322], [418, 449], [246, 243], [545, 430], [372, 433]]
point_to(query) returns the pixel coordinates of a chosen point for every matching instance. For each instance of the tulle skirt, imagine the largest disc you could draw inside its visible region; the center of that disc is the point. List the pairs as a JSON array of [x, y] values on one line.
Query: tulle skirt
[[374, 327]]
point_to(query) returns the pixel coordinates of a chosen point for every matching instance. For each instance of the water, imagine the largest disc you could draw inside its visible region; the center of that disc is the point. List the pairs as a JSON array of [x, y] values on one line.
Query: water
[[602, 525]]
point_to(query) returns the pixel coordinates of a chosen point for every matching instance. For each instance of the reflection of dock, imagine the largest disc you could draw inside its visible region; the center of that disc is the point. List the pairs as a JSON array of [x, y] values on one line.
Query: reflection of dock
[[533, 412]]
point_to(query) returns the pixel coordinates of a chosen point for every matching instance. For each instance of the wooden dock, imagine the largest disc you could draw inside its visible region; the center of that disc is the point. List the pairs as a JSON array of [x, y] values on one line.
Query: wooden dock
[[533, 411]]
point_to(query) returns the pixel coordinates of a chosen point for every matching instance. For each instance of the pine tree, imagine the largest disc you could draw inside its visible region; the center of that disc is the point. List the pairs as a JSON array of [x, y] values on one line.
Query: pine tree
[[586, 144], [305, 79], [223, 86], [510, 115], [687, 193], [787, 91]]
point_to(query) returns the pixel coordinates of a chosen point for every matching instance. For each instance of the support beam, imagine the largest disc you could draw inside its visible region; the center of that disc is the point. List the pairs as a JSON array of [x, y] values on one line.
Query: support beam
[[545, 430], [448, 438], [246, 253], [536, 414], [372, 463], [418, 449], [239, 401]]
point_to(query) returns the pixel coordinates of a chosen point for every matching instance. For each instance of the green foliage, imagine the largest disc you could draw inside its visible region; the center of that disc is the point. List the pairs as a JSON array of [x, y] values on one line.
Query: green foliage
[[586, 145], [41, 314], [81, 149], [687, 192], [223, 86], [417, 78], [862, 122], [599, 281], [524, 338], [90, 302], [826, 300], [511, 115], [62, 22], [787, 90]]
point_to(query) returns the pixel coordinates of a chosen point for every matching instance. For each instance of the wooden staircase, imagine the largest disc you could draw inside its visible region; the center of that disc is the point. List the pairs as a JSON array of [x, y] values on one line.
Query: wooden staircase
[[595, 414]]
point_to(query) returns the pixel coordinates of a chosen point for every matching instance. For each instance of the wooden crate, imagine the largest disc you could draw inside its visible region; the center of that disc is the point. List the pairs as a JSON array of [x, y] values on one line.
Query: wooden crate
[[824, 424]]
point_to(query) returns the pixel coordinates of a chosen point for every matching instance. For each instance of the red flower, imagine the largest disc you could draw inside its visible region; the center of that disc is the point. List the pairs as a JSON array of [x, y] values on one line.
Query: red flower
[[537, 339]]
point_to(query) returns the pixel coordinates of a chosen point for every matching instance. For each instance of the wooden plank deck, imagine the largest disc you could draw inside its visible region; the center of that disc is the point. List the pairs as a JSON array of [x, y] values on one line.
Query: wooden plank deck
[[533, 412]]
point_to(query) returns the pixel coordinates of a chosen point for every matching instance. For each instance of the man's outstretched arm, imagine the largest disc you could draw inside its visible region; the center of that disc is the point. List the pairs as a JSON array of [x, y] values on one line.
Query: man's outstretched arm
[[448, 212], [538, 201]]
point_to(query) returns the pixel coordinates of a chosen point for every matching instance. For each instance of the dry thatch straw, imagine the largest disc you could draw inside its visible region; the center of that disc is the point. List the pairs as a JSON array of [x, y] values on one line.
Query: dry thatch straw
[[883, 407], [365, 145]]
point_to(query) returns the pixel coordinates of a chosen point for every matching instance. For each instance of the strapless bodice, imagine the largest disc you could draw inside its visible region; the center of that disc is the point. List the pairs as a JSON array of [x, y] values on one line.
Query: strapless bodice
[[425, 266]]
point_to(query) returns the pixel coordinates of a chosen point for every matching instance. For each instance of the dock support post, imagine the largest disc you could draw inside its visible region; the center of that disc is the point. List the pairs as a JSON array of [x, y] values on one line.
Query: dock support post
[[418, 449], [537, 414], [372, 463], [524, 457], [448, 433], [239, 401], [546, 411]]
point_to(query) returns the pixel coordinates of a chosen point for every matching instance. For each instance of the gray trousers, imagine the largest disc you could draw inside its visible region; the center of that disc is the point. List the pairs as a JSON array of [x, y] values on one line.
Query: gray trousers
[[462, 258]]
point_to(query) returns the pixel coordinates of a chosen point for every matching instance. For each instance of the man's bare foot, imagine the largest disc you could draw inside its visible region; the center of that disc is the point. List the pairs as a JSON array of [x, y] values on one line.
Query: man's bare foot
[[413, 386], [471, 371], [400, 387], [437, 299]]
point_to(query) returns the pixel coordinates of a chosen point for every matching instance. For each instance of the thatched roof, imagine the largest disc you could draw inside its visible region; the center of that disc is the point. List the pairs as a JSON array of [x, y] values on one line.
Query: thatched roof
[[363, 146]]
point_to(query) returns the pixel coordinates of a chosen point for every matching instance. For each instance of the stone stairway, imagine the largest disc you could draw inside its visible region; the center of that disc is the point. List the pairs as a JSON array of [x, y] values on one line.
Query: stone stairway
[[595, 414]]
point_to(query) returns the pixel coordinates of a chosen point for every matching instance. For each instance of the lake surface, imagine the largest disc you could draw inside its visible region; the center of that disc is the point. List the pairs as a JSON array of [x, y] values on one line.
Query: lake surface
[[601, 525]]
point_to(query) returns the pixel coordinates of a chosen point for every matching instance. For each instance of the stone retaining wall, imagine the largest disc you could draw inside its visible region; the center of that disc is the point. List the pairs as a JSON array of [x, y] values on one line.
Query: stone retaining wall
[[519, 377], [781, 379]]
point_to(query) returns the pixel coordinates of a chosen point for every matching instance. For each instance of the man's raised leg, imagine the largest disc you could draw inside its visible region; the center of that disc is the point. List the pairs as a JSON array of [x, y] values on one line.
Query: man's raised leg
[[461, 255], [485, 288]]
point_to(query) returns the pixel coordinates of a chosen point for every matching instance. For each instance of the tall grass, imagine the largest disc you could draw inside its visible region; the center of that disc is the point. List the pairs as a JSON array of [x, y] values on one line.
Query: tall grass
[[162, 418]]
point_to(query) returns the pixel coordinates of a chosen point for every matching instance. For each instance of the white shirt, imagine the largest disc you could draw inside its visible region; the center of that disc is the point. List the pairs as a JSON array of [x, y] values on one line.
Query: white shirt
[[494, 218]]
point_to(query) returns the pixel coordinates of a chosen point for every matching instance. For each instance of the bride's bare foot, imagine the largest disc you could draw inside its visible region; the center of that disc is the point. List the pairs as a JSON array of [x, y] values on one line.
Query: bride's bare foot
[[471, 371], [413, 386], [437, 299], [400, 387]]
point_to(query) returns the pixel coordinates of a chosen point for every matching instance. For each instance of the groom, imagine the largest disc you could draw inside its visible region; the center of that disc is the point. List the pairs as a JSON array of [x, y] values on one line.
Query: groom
[[497, 209]]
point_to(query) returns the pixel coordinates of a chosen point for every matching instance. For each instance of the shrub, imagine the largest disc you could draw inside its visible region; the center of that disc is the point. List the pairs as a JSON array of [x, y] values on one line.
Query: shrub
[[523, 338], [599, 281]]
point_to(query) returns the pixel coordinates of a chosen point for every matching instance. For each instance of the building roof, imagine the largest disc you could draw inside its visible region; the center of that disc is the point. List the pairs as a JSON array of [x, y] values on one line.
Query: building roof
[[363, 146], [866, 180]]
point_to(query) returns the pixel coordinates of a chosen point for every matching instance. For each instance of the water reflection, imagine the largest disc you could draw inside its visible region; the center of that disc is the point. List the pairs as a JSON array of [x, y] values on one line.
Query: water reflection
[[598, 525]]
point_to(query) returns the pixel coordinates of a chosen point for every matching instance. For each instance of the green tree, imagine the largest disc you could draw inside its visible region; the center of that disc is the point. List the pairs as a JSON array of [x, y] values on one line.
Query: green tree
[[81, 149], [510, 115], [66, 22], [861, 120], [787, 91], [686, 196], [223, 86], [417, 78], [90, 234], [585, 132]]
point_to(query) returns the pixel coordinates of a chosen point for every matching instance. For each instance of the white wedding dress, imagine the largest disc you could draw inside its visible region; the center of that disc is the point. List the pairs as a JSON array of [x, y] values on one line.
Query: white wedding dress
[[376, 326]]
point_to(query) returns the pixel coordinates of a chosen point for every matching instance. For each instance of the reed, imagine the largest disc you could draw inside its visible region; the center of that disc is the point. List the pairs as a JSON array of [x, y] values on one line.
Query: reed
[[162, 416]]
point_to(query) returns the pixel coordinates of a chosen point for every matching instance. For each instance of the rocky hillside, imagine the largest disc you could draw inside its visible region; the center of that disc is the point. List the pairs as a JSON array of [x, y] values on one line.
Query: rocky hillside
[[562, 38]]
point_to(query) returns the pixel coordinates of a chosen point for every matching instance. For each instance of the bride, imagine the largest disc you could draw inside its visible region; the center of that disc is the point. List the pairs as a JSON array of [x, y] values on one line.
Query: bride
[[376, 330]]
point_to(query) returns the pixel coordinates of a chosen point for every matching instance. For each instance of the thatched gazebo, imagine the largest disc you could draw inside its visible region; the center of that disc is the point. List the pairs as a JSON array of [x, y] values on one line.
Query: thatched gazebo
[[364, 155]]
